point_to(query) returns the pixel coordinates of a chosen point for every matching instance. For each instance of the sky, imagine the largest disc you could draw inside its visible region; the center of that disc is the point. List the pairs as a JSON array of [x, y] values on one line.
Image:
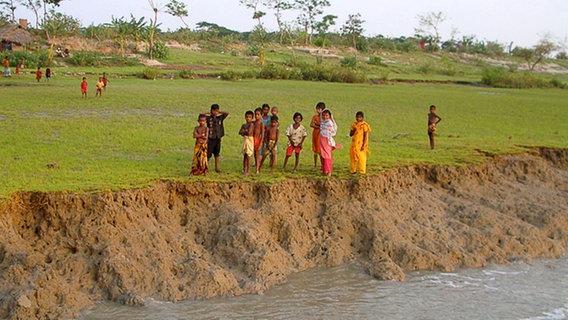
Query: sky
[[522, 22]]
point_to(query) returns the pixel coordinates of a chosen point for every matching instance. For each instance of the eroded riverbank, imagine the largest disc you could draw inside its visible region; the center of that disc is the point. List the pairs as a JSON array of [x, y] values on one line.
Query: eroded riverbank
[[61, 252]]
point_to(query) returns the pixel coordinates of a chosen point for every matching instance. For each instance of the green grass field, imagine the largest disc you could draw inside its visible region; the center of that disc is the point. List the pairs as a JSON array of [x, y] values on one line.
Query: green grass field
[[140, 130]]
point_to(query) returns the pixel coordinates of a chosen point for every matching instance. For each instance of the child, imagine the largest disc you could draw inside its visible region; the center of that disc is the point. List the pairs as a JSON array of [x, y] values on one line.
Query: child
[[100, 85], [47, 74], [38, 74], [6, 64], [315, 124], [296, 134], [200, 164], [328, 130], [247, 131], [359, 143], [271, 140], [258, 138], [265, 116], [105, 81], [84, 88], [433, 120], [274, 111], [215, 120]]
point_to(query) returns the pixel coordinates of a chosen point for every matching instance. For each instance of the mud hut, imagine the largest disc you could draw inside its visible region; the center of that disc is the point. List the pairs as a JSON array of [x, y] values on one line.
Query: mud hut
[[14, 37]]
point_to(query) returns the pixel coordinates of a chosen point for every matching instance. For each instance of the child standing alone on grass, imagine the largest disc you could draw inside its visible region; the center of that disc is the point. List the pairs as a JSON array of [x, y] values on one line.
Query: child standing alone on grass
[[433, 120], [84, 88], [200, 163], [359, 143], [296, 134], [247, 132]]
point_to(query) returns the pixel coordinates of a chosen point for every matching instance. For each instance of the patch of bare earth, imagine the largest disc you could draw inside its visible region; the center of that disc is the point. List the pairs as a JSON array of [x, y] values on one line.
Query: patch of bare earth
[[61, 252]]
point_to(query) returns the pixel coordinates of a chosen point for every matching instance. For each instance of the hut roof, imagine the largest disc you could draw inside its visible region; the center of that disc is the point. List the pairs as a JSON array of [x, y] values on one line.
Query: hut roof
[[15, 33]]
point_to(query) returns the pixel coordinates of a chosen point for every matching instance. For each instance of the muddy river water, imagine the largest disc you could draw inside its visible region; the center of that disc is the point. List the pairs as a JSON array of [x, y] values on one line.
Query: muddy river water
[[522, 290]]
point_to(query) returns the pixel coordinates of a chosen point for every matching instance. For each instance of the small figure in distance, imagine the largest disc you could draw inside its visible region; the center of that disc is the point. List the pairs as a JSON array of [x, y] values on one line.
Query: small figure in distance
[[433, 120], [200, 164], [247, 131], [296, 134], [315, 124], [105, 80], [100, 85], [359, 134], [258, 138], [38, 74], [84, 88], [271, 138], [47, 74]]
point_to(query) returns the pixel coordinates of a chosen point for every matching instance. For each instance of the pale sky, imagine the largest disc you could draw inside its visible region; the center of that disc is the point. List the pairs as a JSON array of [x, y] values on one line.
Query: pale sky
[[522, 22]]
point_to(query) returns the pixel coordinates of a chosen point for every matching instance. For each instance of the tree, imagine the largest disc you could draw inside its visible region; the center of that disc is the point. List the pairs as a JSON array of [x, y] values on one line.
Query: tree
[[122, 32], [177, 9], [57, 25], [153, 24], [353, 28], [137, 28], [35, 6], [323, 26], [279, 6], [311, 9], [429, 24], [11, 7], [538, 53], [257, 14]]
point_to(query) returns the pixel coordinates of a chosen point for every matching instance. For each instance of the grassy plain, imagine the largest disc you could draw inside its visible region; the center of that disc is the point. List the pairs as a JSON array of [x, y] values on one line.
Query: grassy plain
[[140, 130]]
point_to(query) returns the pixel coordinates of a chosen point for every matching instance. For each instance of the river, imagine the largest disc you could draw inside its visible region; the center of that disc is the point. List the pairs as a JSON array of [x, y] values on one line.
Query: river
[[534, 290]]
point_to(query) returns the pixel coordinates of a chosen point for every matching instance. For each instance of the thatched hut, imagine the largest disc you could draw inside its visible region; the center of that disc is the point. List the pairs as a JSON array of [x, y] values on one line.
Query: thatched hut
[[14, 36]]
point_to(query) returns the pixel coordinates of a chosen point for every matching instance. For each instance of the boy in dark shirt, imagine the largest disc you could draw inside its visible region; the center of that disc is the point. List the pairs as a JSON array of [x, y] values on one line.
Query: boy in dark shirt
[[216, 132]]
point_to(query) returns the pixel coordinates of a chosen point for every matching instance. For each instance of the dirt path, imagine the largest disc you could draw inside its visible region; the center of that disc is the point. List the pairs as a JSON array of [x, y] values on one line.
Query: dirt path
[[61, 252]]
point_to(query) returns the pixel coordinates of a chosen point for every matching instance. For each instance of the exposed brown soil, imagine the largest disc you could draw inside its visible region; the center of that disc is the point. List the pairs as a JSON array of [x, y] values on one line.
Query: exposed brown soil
[[61, 252]]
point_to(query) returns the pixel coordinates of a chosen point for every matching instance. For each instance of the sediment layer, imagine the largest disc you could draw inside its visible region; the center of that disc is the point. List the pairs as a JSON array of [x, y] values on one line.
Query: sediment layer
[[61, 252]]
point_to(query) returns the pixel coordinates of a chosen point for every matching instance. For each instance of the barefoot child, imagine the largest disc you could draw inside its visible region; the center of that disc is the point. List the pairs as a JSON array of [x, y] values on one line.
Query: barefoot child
[[433, 120], [215, 119], [271, 138], [100, 85], [328, 130], [258, 138], [38, 74], [84, 88], [359, 143], [247, 131], [200, 163], [315, 124], [296, 134]]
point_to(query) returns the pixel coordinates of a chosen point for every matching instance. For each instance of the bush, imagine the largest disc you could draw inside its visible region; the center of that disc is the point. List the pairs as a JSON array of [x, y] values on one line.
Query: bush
[[31, 60], [501, 78], [376, 61], [150, 73], [187, 74], [349, 62], [85, 58], [161, 51]]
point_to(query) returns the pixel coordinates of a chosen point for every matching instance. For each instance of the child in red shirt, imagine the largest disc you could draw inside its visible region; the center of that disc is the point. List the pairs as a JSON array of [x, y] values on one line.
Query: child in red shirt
[[84, 88]]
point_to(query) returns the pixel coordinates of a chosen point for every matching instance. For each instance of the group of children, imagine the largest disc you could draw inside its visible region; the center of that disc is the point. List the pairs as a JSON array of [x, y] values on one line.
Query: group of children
[[100, 85], [261, 131]]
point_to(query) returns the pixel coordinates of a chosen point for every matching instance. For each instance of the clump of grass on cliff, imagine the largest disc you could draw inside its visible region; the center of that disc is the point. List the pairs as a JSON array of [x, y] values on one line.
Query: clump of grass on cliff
[[140, 130]]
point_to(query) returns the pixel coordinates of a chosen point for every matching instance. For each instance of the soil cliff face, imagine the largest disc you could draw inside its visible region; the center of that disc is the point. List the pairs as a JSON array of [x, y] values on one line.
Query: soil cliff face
[[61, 252]]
